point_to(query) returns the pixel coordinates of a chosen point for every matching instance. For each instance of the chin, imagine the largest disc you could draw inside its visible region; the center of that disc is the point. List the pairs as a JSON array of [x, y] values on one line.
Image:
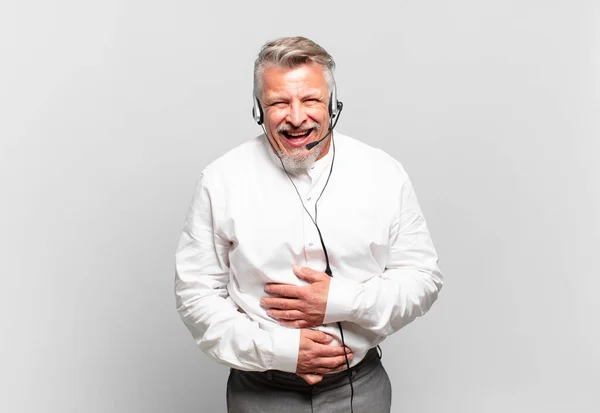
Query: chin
[[298, 162]]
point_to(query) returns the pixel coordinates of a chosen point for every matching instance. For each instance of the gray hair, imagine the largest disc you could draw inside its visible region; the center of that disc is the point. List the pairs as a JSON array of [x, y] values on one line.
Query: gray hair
[[290, 52]]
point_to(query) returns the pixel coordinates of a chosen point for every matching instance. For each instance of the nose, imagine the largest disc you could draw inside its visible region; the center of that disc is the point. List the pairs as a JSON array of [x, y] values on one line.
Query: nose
[[297, 114]]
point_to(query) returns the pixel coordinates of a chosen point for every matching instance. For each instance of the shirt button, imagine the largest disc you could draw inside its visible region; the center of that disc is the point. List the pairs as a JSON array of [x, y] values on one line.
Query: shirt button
[[310, 244], [309, 198]]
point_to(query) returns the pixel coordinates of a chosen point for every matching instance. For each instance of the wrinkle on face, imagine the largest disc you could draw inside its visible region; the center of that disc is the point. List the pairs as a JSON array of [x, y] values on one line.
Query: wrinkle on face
[[296, 99]]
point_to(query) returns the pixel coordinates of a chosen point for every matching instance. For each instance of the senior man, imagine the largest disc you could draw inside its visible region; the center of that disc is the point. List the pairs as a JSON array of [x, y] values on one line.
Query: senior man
[[302, 250]]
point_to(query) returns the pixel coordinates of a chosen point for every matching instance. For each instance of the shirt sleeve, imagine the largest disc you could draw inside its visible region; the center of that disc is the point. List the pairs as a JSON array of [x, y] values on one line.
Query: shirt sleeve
[[408, 286], [223, 333]]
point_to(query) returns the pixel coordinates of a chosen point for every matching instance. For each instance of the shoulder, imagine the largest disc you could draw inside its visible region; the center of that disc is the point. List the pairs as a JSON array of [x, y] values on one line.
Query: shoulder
[[234, 162], [369, 159]]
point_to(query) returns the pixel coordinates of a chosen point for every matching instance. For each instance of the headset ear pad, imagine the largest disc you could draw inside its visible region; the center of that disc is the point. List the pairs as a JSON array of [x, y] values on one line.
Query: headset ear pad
[[333, 104], [257, 112]]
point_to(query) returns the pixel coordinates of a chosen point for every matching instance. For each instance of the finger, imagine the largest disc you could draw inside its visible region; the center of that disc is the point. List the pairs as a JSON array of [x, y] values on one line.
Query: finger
[[284, 290], [323, 371], [307, 274], [311, 378], [317, 336], [297, 324], [325, 365], [341, 367], [320, 371], [281, 303], [287, 314], [323, 350], [332, 362]]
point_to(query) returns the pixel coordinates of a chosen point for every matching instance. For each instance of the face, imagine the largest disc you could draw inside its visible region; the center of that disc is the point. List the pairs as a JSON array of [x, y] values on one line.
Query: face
[[295, 105]]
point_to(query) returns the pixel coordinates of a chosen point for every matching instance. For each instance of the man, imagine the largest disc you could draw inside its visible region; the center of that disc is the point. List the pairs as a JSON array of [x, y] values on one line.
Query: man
[[272, 219]]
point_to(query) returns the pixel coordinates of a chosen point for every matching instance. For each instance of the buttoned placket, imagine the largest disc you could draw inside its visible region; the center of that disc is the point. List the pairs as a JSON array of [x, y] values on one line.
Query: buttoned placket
[[309, 187]]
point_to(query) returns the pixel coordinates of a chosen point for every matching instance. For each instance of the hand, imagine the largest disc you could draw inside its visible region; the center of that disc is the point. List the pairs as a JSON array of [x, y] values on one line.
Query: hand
[[299, 307], [317, 358]]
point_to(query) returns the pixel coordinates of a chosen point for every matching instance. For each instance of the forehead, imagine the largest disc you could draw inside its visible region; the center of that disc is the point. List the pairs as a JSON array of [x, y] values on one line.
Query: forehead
[[306, 77]]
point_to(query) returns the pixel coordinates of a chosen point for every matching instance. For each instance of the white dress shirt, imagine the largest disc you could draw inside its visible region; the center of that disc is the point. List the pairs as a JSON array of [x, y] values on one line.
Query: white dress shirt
[[246, 227]]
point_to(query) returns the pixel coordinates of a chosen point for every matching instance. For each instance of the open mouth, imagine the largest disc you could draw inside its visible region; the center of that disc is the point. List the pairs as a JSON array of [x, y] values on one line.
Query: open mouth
[[297, 134]]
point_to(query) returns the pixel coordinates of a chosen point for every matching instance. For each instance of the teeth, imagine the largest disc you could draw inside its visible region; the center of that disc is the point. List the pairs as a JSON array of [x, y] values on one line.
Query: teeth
[[297, 133]]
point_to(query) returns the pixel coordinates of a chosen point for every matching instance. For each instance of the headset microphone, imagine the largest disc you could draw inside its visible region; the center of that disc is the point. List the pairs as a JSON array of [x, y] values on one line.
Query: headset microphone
[[315, 143], [336, 115]]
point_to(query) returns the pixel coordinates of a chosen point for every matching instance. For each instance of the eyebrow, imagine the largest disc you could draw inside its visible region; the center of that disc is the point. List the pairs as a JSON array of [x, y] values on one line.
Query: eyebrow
[[310, 94]]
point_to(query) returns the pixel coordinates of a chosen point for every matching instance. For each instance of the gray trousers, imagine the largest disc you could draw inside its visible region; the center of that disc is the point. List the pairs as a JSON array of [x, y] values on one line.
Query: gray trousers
[[275, 391]]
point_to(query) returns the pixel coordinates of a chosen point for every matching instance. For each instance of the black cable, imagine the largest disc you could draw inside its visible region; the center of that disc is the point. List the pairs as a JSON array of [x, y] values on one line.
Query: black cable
[[347, 369], [314, 220], [328, 267]]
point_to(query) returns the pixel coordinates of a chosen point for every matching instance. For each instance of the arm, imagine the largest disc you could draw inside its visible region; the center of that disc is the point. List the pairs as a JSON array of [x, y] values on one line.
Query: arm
[[405, 290], [202, 274]]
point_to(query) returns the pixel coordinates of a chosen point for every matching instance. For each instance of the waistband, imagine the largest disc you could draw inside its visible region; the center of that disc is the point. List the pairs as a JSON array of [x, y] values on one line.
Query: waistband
[[371, 360]]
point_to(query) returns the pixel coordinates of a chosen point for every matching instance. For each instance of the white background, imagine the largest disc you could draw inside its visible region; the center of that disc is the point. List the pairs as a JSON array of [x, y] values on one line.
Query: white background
[[109, 111]]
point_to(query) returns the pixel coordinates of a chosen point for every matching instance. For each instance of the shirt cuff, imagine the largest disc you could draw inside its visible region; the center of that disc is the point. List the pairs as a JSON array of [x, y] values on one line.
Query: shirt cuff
[[286, 342], [342, 300]]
